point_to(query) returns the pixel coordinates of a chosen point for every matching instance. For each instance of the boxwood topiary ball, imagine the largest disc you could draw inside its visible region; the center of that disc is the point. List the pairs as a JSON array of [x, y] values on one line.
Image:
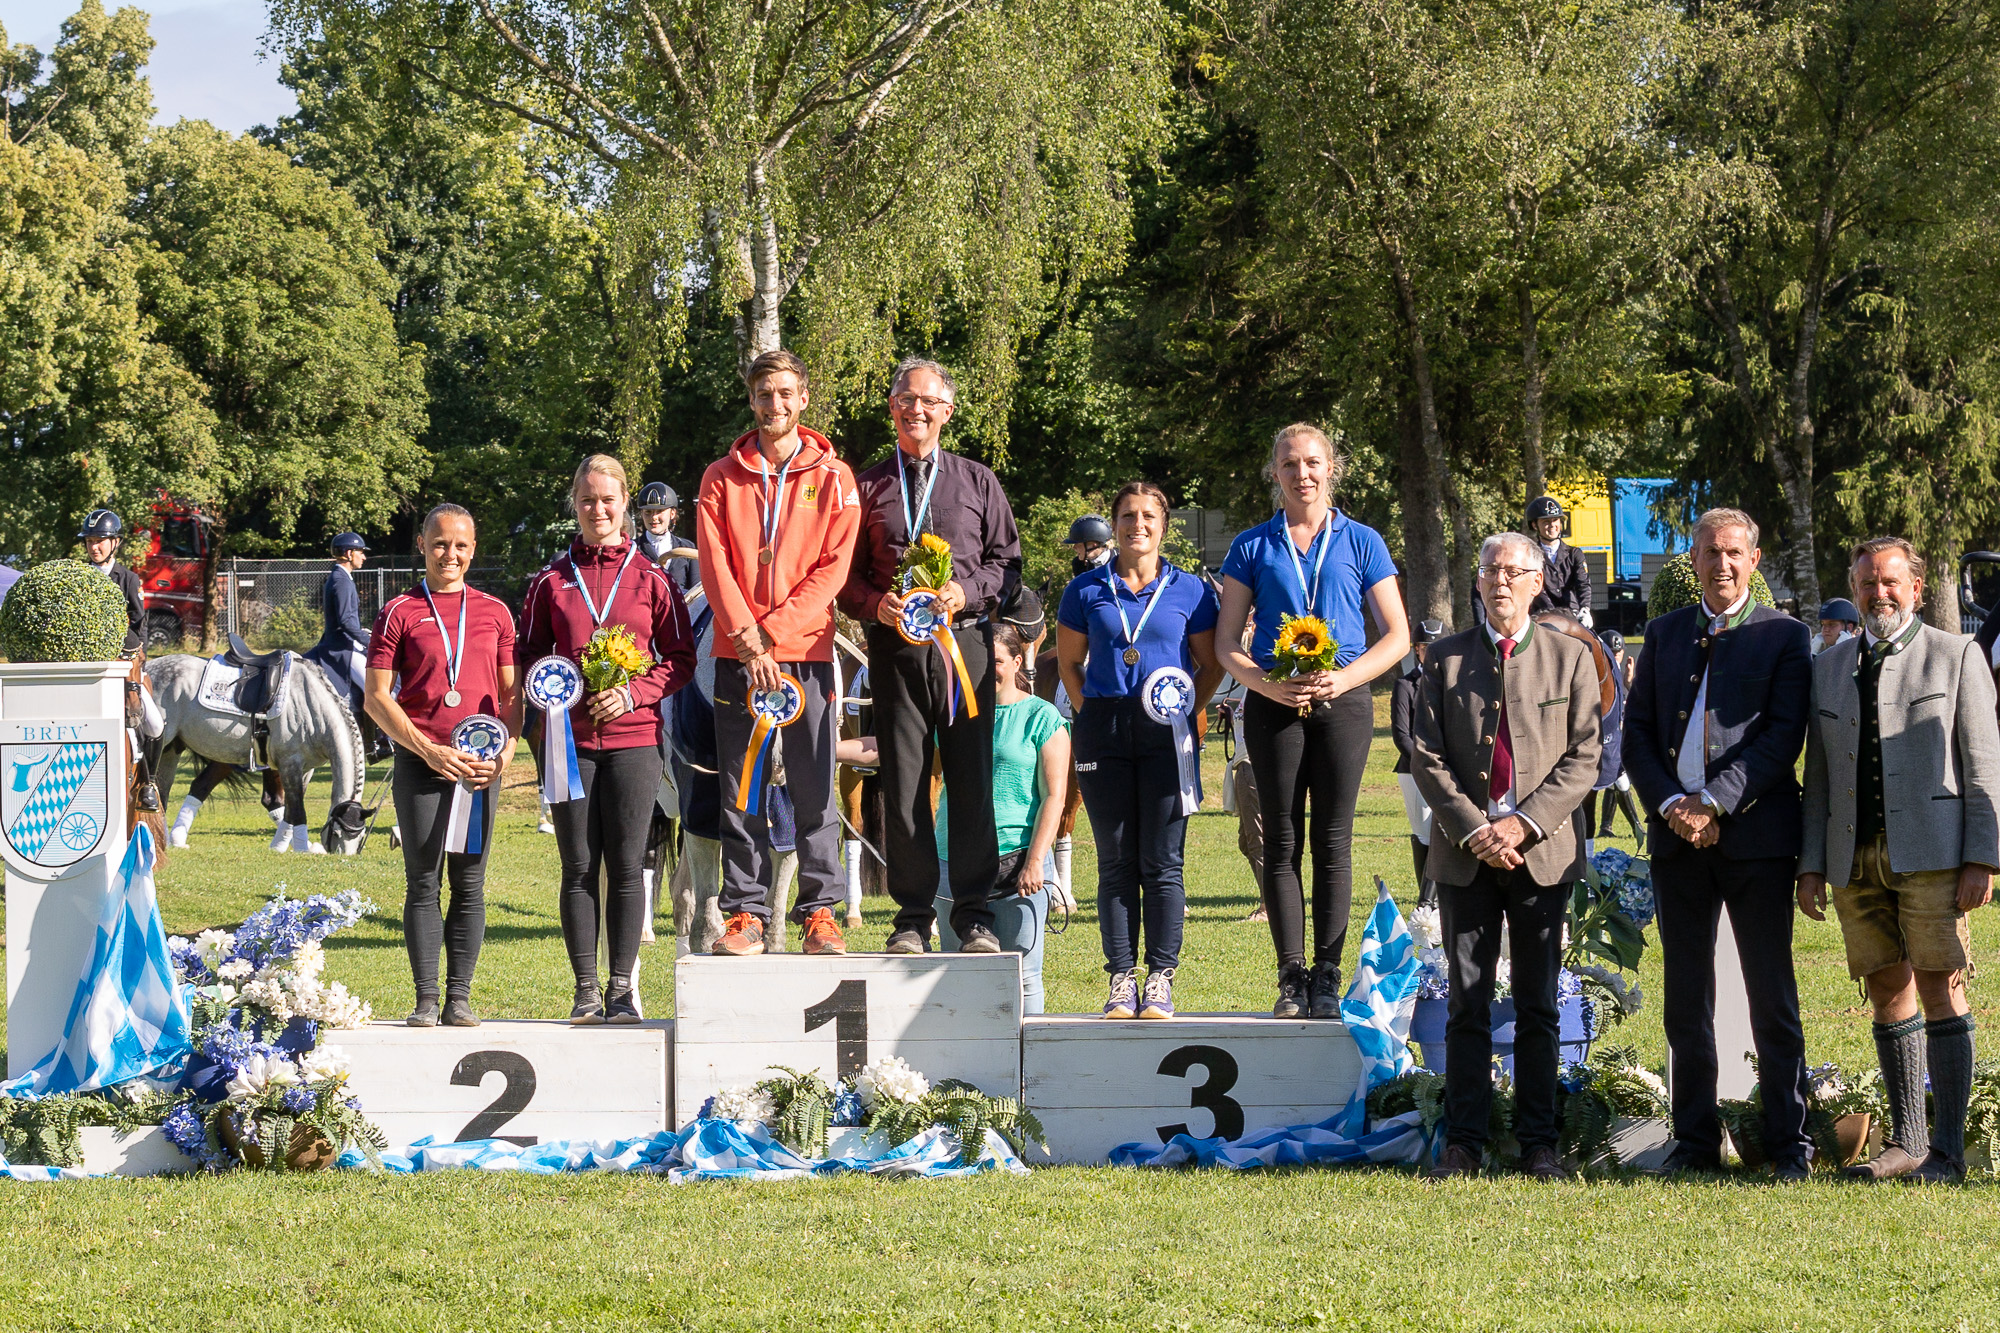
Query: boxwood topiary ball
[[1676, 586], [63, 611]]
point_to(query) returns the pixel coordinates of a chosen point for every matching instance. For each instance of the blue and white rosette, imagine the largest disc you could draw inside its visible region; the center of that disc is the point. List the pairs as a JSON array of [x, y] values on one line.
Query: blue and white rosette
[[923, 619], [772, 709], [554, 685], [470, 827], [1168, 696]]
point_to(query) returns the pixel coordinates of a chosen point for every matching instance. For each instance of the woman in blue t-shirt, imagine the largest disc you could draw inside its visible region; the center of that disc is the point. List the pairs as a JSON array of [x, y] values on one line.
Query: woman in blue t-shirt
[[1134, 630], [1308, 736]]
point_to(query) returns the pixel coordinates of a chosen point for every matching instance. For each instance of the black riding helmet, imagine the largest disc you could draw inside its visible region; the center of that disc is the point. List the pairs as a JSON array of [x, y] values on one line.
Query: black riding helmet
[[101, 523], [658, 495], [1092, 529], [1545, 506]]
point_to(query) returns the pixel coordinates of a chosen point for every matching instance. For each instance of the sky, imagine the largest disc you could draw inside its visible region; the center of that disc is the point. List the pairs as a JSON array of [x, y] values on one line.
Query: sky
[[205, 64]]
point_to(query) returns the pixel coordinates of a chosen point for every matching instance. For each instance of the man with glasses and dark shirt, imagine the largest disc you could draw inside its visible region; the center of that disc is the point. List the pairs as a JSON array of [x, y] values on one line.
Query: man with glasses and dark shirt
[[923, 489]]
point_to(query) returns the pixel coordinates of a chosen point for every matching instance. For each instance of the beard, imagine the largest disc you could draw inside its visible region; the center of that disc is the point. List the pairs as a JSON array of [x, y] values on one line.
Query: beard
[[1885, 620]]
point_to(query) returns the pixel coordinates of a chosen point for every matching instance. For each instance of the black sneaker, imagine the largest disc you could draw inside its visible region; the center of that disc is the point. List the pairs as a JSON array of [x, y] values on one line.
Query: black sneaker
[[1687, 1160], [621, 1004], [1292, 987], [458, 1014], [978, 939], [906, 941], [425, 1015], [1324, 988], [588, 1009]]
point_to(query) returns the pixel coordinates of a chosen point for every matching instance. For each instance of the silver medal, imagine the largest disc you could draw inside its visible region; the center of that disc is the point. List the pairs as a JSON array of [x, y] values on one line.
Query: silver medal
[[451, 698]]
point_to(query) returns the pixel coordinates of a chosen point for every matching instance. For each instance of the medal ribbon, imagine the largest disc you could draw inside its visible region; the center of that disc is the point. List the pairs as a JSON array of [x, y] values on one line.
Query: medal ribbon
[[469, 824], [576, 575], [562, 780], [1309, 592], [912, 527], [774, 504], [452, 656], [957, 680], [1160, 583]]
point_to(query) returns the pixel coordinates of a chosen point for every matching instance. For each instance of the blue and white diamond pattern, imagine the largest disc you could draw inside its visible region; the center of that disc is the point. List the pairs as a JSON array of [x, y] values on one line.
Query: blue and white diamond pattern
[[62, 817]]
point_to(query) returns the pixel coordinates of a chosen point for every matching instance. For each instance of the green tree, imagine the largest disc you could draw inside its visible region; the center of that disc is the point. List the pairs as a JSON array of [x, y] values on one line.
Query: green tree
[[96, 97], [1867, 117], [856, 168], [264, 281]]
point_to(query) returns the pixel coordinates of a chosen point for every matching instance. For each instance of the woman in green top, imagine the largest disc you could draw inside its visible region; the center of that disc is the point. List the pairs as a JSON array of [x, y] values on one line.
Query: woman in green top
[[1030, 768]]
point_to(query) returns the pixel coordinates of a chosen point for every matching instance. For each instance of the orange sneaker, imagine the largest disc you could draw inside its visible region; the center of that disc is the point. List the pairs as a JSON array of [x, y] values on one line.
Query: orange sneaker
[[822, 935], [742, 936]]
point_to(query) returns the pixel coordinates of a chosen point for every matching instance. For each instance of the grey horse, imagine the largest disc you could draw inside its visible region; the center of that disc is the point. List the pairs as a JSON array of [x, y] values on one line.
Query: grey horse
[[315, 727]]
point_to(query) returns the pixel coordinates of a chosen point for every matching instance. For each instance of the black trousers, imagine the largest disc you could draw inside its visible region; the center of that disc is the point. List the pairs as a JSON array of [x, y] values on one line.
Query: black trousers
[[1131, 784], [806, 746], [910, 724], [602, 835], [1322, 756], [1472, 917], [1691, 887], [423, 813]]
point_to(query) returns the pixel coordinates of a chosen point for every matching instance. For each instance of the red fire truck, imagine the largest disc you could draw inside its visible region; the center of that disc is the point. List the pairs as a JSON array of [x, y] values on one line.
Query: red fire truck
[[172, 552]]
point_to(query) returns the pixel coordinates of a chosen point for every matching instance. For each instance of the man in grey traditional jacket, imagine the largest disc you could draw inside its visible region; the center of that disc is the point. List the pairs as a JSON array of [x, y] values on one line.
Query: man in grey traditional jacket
[[1902, 767]]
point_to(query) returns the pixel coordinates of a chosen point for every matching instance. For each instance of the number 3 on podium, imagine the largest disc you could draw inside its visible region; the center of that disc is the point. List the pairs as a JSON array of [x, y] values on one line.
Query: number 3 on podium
[[1212, 1095], [847, 1010]]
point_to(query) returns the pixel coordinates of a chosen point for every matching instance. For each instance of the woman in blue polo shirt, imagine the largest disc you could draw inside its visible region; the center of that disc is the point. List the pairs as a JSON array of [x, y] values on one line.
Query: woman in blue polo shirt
[[1135, 643], [1308, 736]]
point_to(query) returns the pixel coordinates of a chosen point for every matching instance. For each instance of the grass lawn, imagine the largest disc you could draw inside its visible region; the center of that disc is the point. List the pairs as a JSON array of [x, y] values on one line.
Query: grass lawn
[[1080, 1248]]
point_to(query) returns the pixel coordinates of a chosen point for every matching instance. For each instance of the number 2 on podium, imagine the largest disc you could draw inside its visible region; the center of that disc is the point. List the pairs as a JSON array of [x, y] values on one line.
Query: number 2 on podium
[[847, 1010]]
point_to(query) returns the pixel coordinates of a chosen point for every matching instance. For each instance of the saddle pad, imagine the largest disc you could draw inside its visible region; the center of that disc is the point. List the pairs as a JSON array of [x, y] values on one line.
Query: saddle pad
[[221, 679]]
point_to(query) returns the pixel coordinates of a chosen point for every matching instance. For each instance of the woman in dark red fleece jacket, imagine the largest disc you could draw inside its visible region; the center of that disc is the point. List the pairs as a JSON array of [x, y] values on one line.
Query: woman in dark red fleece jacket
[[602, 580]]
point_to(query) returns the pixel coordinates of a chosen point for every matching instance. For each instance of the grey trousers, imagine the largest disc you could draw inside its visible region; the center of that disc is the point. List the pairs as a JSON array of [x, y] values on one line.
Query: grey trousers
[[749, 866]]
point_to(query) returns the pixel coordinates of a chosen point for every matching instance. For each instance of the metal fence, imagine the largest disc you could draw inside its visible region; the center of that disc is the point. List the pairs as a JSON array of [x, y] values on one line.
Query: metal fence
[[276, 603]]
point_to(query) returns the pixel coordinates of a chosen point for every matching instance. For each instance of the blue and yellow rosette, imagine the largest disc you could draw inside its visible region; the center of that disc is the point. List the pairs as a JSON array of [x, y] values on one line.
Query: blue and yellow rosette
[[1168, 697], [469, 826], [923, 619], [771, 710], [554, 685]]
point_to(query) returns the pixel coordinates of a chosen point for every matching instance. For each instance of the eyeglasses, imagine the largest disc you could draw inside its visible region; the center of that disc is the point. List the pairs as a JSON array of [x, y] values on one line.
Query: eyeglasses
[[1506, 573], [907, 401]]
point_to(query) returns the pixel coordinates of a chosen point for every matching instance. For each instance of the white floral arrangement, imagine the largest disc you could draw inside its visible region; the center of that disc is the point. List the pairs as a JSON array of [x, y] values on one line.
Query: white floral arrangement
[[889, 1079], [751, 1105]]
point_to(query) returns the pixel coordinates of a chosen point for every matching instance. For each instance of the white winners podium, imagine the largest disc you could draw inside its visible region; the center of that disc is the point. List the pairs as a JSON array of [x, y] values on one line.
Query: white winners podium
[[950, 1015], [1097, 1083]]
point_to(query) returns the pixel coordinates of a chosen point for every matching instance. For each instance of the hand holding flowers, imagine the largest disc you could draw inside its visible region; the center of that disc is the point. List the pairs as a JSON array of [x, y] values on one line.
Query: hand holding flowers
[[1302, 664], [611, 661]]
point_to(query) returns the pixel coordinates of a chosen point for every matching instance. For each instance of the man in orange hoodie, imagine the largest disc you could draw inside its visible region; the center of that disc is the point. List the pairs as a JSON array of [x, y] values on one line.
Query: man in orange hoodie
[[775, 526]]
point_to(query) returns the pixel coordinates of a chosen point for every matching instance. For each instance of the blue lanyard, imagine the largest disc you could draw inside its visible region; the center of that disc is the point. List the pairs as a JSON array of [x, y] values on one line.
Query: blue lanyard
[[452, 656], [774, 504], [1160, 583], [1309, 592], [914, 526], [576, 574]]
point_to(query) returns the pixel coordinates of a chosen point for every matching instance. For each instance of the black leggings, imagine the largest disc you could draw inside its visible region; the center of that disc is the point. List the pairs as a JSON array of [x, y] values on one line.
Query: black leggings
[[1322, 756], [423, 814], [606, 829]]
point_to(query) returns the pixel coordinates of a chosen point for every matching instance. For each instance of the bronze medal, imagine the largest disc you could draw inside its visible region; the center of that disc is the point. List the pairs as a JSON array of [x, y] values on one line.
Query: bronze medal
[[766, 556], [1131, 657]]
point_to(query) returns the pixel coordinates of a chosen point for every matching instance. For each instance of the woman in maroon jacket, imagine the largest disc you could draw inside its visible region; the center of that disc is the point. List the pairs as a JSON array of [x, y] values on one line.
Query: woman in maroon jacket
[[603, 580]]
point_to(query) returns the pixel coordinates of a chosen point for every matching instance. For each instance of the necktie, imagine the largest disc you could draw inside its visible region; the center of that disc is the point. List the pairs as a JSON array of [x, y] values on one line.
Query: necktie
[[1503, 741], [918, 471]]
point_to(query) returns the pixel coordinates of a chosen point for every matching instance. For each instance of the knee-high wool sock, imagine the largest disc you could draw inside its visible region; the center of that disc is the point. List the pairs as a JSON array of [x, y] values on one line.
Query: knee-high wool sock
[[1900, 1047]]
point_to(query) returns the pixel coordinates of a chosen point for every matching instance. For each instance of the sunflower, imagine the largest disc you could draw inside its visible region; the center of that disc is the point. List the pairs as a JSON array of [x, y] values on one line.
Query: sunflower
[[613, 657], [935, 544], [1302, 636], [927, 562]]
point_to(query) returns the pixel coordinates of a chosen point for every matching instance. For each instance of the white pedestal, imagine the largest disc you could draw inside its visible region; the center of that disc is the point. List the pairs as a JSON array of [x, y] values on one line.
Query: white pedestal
[[1735, 1047], [526, 1081], [1097, 1083], [145, 1152], [53, 900], [949, 1015]]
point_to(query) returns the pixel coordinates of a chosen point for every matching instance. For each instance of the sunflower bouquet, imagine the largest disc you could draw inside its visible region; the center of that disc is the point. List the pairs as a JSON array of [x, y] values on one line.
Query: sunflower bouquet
[[1304, 645], [926, 563], [613, 658]]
